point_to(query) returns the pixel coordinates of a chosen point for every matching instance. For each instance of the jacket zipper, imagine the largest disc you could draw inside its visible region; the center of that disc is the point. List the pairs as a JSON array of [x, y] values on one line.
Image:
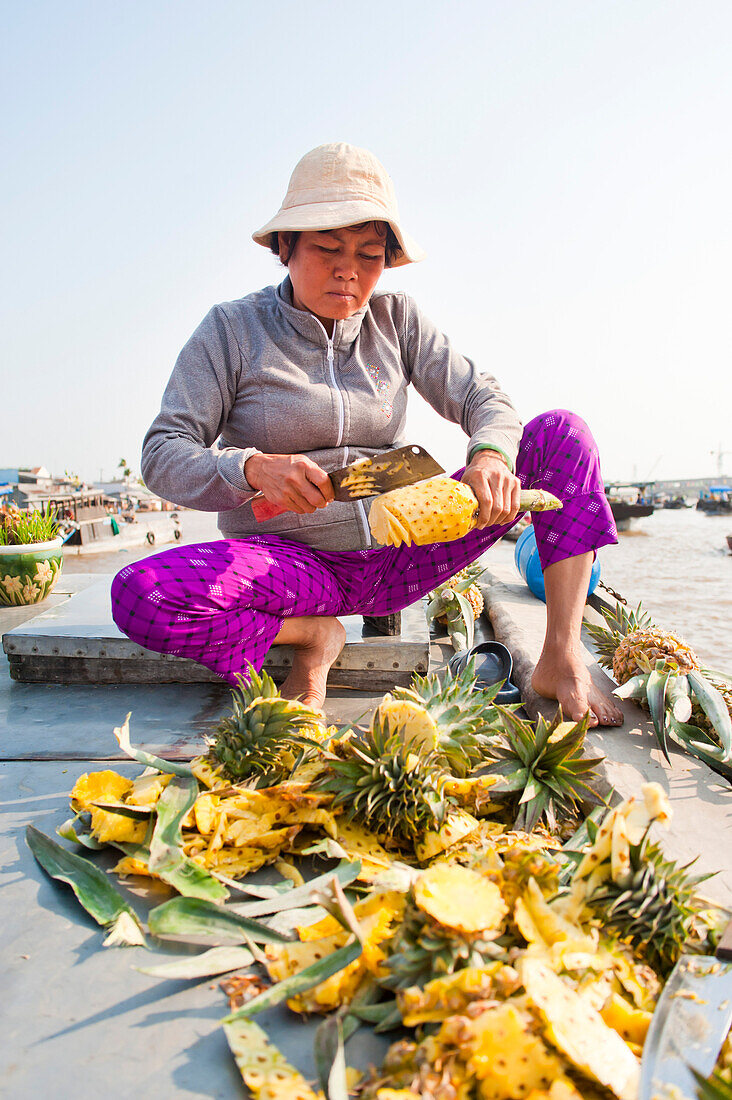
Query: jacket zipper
[[341, 406], [341, 424], [331, 369]]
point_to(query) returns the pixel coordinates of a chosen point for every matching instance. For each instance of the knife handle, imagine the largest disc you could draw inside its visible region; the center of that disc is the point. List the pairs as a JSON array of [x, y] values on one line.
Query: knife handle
[[262, 509], [724, 947]]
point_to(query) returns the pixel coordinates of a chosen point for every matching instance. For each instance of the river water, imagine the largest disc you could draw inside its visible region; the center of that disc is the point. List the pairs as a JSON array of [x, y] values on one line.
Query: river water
[[676, 562]]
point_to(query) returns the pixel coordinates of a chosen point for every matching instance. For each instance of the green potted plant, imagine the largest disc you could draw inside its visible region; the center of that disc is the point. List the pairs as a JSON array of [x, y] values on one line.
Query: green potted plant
[[31, 555]]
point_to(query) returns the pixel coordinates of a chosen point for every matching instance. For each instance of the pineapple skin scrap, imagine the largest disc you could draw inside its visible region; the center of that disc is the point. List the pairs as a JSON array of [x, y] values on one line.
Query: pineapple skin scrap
[[579, 1032], [264, 1070], [104, 786]]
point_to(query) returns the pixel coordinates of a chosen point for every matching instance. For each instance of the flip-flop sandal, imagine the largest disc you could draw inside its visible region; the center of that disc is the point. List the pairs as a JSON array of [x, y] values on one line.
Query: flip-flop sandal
[[493, 663]]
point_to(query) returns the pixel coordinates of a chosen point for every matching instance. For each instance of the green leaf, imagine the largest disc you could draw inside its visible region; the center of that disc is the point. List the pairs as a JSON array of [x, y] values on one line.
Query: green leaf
[[461, 623], [218, 960], [195, 917], [300, 983], [167, 858], [122, 733], [373, 1014], [68, 832], [713, 1087], [706, 751], [137, 813], [634, 688], [92, 888], [657, 682], [330, 1058], [345, 872], [713, 704]]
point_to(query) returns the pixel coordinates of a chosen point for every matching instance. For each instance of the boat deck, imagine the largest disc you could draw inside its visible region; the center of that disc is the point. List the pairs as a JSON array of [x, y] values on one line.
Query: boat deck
[[79, 1020]]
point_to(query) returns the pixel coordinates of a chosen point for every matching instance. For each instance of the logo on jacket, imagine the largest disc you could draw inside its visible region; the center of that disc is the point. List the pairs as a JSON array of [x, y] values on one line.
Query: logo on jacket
[[382, 389]]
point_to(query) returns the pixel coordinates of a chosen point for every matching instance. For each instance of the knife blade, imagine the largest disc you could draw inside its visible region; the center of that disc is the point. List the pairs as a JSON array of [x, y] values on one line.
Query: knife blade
[[368, 477], [689, 1025]]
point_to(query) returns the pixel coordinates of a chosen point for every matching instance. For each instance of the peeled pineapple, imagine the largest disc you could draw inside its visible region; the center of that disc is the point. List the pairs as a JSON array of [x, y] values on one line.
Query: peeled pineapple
[[439, 509]]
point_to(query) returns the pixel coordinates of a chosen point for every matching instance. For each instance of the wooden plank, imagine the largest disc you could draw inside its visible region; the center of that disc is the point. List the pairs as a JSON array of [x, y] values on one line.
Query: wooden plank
[[76, 641]]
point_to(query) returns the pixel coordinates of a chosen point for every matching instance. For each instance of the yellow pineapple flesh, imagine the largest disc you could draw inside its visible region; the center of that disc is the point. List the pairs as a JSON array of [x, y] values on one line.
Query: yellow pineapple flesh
[[105, 786], [460, 899], [578, 1030], [439, 509], [503, 1054], [412, 719], [458, 825]]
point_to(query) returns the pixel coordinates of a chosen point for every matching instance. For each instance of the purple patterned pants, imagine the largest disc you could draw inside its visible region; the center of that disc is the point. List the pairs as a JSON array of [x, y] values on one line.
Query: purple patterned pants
[[222, 603]]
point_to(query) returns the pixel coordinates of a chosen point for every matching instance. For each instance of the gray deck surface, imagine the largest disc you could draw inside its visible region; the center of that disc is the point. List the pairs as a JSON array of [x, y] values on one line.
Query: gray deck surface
[[76, 1020]]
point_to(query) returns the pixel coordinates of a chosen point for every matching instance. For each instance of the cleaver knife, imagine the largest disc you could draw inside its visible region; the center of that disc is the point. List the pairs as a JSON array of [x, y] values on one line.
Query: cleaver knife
[[368, 477], [689, 1025]]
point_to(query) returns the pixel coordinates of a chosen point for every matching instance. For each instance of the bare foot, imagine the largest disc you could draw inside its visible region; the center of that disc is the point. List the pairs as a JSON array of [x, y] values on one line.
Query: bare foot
[[566, 678], [316, 640]]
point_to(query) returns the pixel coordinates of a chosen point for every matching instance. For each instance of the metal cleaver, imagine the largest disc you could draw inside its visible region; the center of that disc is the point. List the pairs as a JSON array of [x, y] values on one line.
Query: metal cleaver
[[368, 477], [691, 1021]]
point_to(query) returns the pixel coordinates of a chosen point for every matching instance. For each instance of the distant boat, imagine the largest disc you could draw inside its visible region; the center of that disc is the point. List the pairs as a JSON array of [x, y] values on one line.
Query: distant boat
[[717, 501], [629, 502], [677, 502], [729, 543]]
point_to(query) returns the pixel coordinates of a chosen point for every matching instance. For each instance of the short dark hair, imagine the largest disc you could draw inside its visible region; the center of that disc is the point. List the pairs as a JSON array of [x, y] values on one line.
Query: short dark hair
[[392, 249]]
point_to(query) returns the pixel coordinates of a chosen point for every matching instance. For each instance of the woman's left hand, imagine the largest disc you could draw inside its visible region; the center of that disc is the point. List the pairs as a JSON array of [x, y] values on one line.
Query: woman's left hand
[[497, 489]]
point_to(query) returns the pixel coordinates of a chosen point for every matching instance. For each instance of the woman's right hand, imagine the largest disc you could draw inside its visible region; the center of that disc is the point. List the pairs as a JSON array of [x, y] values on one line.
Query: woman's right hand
[[292, 482]]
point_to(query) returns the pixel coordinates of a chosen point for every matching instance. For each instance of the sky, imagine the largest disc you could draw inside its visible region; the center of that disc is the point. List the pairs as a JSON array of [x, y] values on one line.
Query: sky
[[566, 165]]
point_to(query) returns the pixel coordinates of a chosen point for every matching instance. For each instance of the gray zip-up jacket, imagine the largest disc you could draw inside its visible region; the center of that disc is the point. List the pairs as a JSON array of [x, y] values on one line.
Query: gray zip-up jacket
[[259, 374]]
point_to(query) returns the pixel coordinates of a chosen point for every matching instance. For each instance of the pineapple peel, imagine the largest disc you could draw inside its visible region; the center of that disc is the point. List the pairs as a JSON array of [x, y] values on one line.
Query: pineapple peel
[[579, 1031]]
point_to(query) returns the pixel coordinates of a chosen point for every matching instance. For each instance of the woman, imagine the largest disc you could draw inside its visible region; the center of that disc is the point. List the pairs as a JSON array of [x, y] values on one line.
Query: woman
[[277, 388]]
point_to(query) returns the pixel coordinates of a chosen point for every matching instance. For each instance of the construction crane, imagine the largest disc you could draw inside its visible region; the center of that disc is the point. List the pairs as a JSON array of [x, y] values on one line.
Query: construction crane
[[720, 456]]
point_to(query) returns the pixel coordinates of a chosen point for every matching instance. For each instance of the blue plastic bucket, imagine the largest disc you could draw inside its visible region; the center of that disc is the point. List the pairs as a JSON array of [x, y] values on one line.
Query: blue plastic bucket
[[526, 557]]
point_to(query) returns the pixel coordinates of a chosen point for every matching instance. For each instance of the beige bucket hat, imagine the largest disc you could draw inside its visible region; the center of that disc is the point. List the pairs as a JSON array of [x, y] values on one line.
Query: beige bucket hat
[[336, 185]]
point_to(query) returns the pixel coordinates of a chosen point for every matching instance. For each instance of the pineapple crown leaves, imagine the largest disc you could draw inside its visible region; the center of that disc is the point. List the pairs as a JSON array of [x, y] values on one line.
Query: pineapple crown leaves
[[382, 779], [261, 736], [669, 695], [619, 623], [466, 716], [658, 911], [714, 1087], [544, 765], [460, 618]]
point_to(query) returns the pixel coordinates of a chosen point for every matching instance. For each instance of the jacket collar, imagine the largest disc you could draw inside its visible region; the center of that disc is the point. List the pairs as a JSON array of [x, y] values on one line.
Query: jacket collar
[[307, 325]]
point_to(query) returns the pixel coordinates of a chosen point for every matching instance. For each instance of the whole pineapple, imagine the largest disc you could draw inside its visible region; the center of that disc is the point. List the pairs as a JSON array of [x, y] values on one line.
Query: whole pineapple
[[639, 651], [661, 672], [265, 736], [464, 582], [637, 894], [457, 604], [655, 911]]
